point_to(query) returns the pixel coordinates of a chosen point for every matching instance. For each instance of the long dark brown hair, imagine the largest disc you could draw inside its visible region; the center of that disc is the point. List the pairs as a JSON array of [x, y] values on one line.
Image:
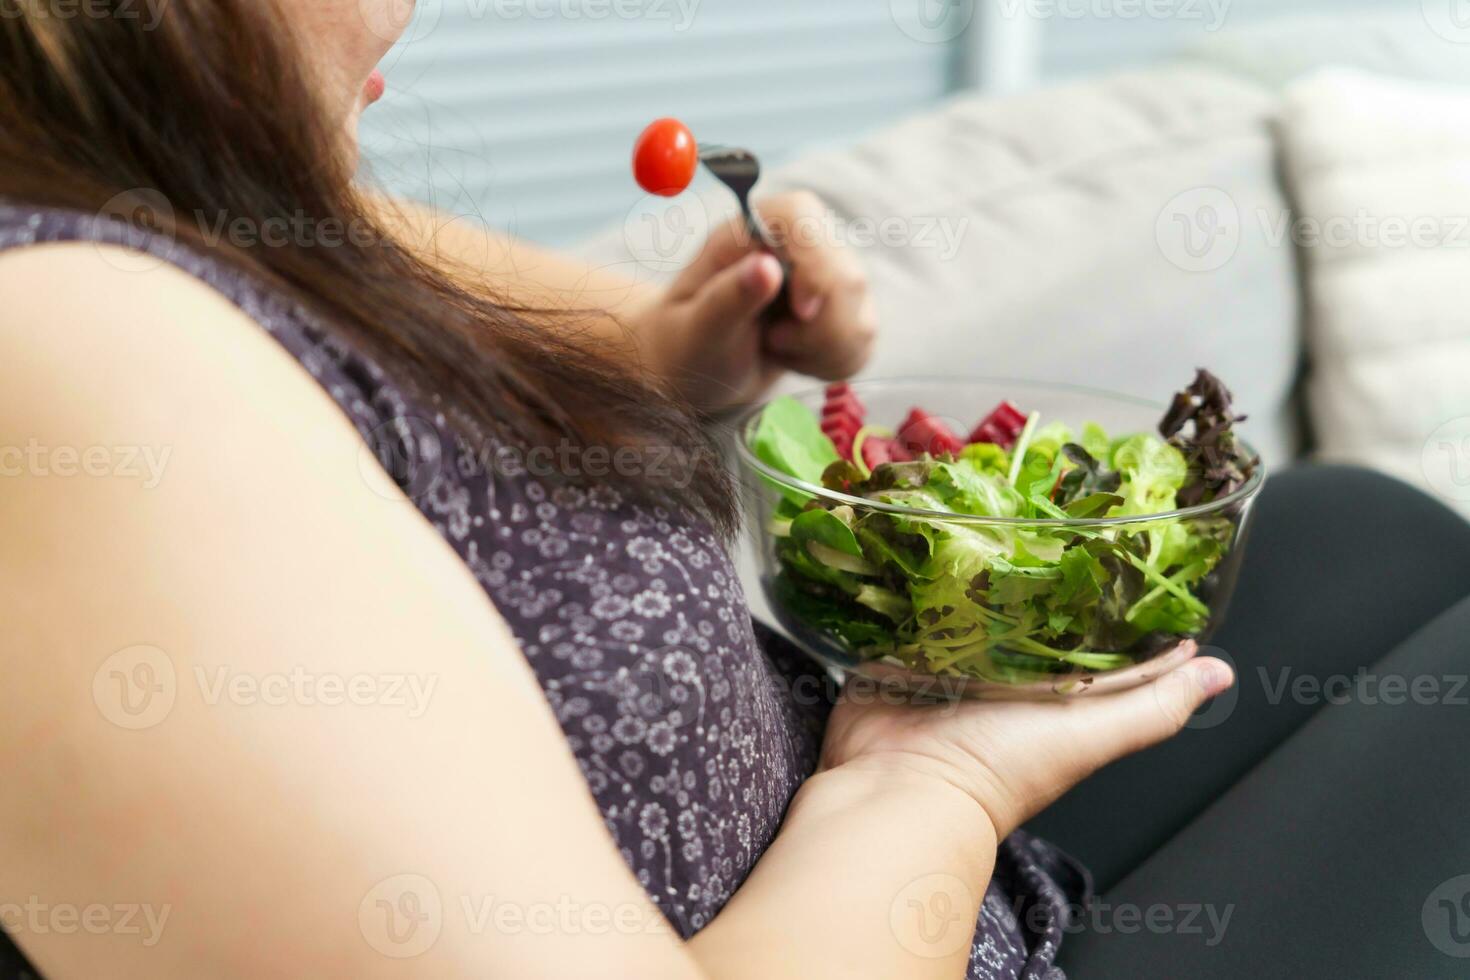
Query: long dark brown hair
[[213, 109]]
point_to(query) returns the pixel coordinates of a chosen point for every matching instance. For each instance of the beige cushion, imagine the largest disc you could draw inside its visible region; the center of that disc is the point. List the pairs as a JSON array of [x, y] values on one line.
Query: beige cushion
[[1381, 173]]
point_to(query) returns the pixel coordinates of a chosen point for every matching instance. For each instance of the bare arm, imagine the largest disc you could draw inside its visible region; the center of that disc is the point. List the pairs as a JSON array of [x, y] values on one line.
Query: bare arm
[[515, 270], [704, 333], [269, 835]]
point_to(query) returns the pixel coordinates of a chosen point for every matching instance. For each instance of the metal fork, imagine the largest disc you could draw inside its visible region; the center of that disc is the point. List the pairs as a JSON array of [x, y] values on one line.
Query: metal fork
[[739, 170]]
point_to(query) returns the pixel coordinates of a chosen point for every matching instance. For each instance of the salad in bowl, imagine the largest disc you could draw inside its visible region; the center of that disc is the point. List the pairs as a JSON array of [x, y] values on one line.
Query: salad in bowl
[[1070, 541]]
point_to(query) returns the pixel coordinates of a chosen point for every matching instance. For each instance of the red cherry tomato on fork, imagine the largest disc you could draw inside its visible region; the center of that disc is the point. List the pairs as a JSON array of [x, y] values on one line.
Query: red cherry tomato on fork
[[665, 158]]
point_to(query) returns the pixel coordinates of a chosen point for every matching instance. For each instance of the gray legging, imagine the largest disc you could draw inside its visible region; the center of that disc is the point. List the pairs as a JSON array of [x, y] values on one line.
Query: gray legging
[[1314, 822]]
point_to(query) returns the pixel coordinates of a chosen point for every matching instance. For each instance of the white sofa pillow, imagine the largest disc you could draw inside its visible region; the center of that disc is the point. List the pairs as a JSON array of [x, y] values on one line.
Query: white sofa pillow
[[1380, 170]]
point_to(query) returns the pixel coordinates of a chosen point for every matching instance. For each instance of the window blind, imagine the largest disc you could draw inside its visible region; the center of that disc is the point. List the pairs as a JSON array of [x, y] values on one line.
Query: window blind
[[525, 111]]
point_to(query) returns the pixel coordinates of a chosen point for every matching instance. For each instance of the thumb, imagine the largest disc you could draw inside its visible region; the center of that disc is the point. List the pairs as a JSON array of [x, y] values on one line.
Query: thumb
[[1134, 720], [738, 292]]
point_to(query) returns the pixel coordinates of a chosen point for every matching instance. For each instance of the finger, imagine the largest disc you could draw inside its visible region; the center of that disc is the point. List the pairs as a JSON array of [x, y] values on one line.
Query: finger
[[837, 344], [1124, 723], [800, 224], [739, 292], [727, 244]]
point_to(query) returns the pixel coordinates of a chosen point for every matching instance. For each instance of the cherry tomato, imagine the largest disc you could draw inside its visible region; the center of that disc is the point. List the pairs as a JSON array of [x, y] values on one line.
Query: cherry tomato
[[665, 158]]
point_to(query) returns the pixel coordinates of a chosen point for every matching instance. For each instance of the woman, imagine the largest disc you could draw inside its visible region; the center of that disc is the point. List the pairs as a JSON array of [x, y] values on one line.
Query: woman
[[271, 712]]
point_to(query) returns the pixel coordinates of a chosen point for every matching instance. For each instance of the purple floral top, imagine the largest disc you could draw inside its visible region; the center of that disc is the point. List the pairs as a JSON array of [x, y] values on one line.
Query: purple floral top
[[682, 713]]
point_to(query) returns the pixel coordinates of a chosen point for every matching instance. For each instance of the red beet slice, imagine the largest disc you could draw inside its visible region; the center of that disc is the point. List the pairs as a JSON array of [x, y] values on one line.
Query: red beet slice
[[877, 451], [922, 432], [1002, 426], [842, 417]]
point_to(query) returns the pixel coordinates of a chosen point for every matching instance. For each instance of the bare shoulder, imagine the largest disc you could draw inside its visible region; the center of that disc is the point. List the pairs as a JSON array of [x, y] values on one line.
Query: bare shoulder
[[147, 423], [90, 303], [104, 353], [241, 679]]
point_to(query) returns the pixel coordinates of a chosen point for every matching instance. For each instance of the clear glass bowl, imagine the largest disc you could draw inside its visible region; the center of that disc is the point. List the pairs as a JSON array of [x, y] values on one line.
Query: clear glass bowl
[[974, 653]]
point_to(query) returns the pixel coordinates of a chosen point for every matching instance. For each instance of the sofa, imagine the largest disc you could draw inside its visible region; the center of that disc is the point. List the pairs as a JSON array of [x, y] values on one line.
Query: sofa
[[1120, 231]]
